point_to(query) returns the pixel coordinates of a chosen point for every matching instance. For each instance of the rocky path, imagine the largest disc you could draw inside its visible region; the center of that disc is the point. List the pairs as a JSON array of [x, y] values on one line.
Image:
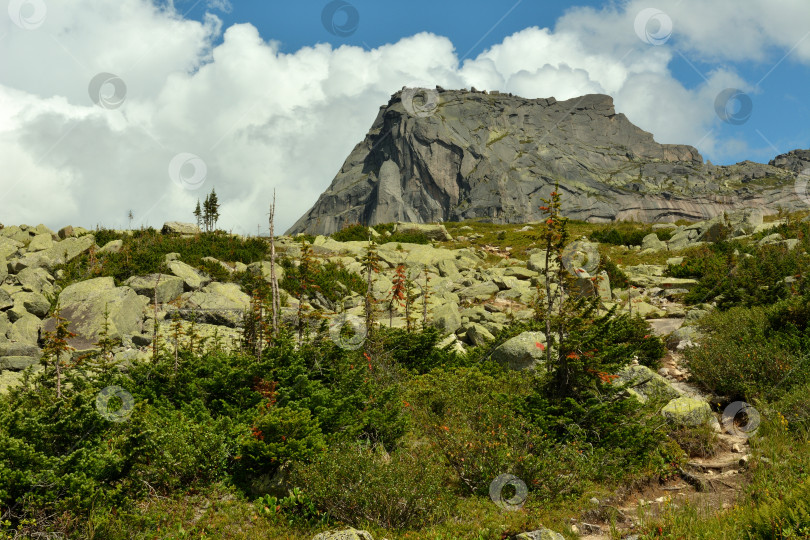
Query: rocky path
[[708, 483]]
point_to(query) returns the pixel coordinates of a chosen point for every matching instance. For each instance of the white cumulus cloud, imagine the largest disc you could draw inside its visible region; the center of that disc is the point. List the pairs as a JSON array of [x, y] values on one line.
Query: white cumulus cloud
[[262, 120]]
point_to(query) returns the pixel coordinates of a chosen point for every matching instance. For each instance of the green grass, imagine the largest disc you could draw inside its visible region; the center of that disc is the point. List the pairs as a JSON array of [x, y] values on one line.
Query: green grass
[[144, 253]]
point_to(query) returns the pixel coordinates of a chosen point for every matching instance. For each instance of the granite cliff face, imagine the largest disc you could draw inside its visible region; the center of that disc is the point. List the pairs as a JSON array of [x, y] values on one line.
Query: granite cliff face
[[437, 155]]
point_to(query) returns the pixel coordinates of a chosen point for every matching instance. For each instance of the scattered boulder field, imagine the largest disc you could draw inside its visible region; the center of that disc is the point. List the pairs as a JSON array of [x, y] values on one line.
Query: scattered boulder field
[[470, 298], [473, 293]]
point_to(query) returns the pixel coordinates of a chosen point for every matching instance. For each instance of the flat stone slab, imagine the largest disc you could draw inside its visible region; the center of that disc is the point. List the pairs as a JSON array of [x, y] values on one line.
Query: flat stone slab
[[663, 327]]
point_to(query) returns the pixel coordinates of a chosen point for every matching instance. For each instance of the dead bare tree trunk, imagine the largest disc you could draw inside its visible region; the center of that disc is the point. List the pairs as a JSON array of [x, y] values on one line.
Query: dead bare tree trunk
[[275, 301]]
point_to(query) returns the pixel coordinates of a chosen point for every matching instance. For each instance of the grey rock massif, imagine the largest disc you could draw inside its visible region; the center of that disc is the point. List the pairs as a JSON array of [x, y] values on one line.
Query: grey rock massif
[[462, 154]]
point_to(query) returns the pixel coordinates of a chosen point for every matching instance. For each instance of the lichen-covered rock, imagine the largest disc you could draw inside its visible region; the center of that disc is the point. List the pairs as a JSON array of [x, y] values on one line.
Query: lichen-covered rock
[[216, 303], [176, 227], [477, 334], [25, 329], [113, 246], [524, 351], [653, 243], [32, 302], [40, 242], [192, 279], [446, 317], [36, 280], [346, 534], [540, 534], [646, 383], [687, 411], [84, 303], [166, 287], [262, 268]]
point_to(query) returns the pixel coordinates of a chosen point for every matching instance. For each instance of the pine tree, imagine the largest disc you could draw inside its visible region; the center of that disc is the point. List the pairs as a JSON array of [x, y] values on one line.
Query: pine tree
[[399, 294], [214, 212], [56, 346], [177, 333], [371, 266], [102, 360], [198, 214], [306, 279]]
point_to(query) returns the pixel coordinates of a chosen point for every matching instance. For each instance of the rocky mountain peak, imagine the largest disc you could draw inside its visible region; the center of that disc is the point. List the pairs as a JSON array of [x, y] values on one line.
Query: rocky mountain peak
[[449, 155]]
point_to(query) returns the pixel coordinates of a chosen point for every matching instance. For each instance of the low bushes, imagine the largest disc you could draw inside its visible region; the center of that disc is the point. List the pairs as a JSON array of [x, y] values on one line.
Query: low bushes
[[751, 353]]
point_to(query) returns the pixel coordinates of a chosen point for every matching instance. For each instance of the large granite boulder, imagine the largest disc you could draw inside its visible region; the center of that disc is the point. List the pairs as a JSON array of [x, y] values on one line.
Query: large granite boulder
[[165, 286], [192, 279], [446, 317], [36, 280], [524, 351], [59, 253], [687, 411], [646, 384], [176, 227], [262, 268], [84, 303], [32, 302], [217, 303]]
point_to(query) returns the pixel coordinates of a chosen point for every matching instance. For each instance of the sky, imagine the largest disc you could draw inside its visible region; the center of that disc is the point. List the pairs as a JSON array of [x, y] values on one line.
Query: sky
[[112, 106]]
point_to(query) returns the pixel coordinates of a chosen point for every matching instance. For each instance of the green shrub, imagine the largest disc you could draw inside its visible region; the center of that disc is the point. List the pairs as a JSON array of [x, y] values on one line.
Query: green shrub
[[332, 280], [361, 484], [179, 449], [627, 234], [615, 274], [750, 353], [278, 436], [144, 252], [354, 232], [783, 516], [755, 277]]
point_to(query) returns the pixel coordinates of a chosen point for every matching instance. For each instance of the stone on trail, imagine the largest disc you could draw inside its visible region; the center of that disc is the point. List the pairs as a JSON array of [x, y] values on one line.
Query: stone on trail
[[687, 411], [540, 534], [346, 534], [650, 384]]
